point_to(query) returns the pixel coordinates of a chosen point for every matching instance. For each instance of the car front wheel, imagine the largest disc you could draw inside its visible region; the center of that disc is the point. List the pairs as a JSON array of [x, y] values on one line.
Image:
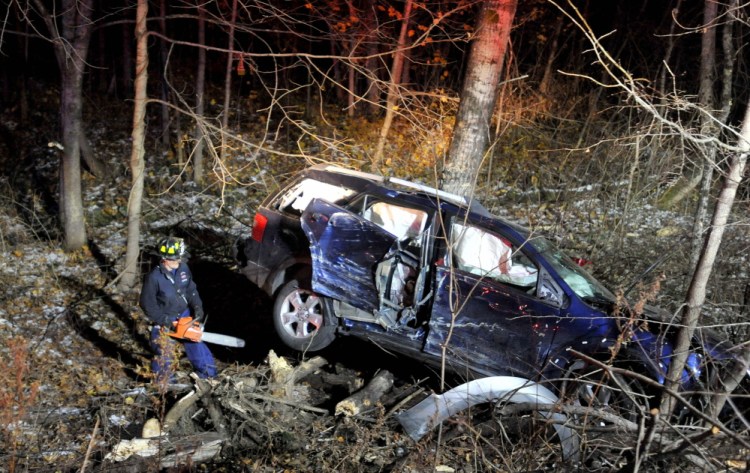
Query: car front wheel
[[299, 317]]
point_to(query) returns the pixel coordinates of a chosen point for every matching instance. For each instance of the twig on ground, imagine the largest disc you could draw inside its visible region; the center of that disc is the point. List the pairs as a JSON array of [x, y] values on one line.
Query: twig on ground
[[91, 446]]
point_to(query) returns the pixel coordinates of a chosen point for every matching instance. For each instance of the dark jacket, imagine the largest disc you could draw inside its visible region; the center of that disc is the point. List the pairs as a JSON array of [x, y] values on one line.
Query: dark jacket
[[166, 296]]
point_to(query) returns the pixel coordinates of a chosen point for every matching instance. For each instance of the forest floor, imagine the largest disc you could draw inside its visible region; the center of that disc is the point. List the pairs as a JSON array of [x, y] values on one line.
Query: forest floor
[[76, 349]]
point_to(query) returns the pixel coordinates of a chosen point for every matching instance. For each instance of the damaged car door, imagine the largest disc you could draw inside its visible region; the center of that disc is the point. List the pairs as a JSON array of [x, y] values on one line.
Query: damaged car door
[[490, 300], [359, 261]]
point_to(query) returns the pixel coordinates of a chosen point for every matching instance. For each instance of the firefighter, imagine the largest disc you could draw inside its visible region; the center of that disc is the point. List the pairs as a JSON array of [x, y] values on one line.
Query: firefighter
[[169, 293]]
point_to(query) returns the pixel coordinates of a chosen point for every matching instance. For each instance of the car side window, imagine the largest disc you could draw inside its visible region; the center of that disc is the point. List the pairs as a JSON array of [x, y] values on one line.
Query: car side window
[[296, 199], [403, 222], [488, 255]]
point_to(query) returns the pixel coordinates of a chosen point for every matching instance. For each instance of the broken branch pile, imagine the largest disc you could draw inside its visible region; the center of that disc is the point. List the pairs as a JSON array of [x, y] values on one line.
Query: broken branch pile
[[314, 417], [250, 411]]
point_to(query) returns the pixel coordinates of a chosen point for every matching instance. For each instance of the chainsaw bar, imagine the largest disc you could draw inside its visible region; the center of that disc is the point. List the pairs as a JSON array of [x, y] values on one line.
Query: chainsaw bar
[[187, 328], [219, 339]]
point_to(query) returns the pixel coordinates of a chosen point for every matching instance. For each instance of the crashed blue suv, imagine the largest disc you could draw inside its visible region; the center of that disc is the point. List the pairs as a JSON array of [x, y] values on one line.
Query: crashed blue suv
[[438, 278]]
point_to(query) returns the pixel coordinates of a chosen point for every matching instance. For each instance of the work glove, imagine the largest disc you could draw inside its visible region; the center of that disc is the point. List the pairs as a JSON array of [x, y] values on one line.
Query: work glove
[[198, 314]]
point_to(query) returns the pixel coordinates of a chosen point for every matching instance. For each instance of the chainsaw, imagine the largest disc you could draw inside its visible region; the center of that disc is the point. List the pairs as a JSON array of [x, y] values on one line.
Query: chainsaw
[[187, 328]]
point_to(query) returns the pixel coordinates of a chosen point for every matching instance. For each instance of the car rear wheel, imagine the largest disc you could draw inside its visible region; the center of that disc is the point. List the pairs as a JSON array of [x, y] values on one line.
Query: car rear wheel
[[299, 317]]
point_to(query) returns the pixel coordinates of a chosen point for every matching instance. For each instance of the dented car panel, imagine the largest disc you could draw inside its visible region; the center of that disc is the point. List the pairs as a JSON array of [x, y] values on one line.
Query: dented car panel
[[486, 315], [344, 249]]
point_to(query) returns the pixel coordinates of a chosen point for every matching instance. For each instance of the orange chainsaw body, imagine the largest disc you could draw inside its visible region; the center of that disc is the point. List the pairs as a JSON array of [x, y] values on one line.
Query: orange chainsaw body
[[187, 328]]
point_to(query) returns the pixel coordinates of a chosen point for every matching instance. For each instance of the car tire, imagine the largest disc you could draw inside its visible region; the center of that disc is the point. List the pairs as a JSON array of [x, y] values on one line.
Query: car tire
[[299, 317]]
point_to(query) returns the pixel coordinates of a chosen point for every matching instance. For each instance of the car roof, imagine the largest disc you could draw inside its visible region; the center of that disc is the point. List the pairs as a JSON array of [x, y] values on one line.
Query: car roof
[[350, 176]]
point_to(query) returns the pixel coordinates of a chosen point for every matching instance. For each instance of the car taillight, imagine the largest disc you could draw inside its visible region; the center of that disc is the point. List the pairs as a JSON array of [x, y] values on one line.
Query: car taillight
[[259, 226], [582, 262]]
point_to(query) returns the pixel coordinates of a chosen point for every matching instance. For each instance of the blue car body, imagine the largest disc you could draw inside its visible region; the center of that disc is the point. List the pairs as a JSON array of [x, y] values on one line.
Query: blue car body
[[416, 271]]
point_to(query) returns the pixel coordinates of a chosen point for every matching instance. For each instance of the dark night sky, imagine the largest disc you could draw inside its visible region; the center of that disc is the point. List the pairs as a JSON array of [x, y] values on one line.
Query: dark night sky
[[637, 37]]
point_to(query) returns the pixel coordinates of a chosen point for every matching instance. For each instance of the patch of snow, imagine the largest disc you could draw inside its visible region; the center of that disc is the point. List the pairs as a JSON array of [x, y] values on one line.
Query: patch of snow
[[118, 420]]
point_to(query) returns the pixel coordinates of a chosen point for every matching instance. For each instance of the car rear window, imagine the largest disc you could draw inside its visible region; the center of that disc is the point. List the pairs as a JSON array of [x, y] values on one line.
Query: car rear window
[[296, 199]]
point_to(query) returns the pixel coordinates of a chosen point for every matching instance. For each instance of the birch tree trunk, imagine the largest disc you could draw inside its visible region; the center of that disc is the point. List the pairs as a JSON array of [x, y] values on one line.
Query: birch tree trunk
[[477, 101], [697, 292], [696, 295], [131, 272]]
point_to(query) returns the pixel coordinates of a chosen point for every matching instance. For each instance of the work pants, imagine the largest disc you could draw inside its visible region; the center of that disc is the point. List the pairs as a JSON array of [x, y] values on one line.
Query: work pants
[[197, 352]]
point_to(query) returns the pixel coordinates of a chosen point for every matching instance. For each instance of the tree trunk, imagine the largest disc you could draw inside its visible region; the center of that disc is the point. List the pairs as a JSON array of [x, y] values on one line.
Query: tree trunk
[[71, 199], [697, 292], [126, 62], [544, 84], [709, 124], [478, 94], [371, 63], [730, 380], [696, 295], [351, 77], [94, 165], [71, 43], [352, 74], [670, 39], [23, 95], [228, 82], [163, 86], [393, 85], [103, 71], [707, 101], [200, 86], [338, 74], [131, 271]]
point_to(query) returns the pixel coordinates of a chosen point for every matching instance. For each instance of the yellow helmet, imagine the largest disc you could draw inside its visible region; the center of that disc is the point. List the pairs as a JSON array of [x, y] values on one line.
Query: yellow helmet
[[171, 248]]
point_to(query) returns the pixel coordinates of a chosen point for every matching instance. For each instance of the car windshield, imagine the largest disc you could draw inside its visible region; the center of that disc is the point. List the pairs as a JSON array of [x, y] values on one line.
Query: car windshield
[[579, 280]]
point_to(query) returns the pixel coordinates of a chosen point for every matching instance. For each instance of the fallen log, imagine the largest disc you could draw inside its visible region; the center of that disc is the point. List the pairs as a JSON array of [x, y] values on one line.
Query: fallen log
[[173, 452], [205, 388], [202, 392], [365, 398], [350, 381], [179, 409], [284, 377], [190, 452]]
